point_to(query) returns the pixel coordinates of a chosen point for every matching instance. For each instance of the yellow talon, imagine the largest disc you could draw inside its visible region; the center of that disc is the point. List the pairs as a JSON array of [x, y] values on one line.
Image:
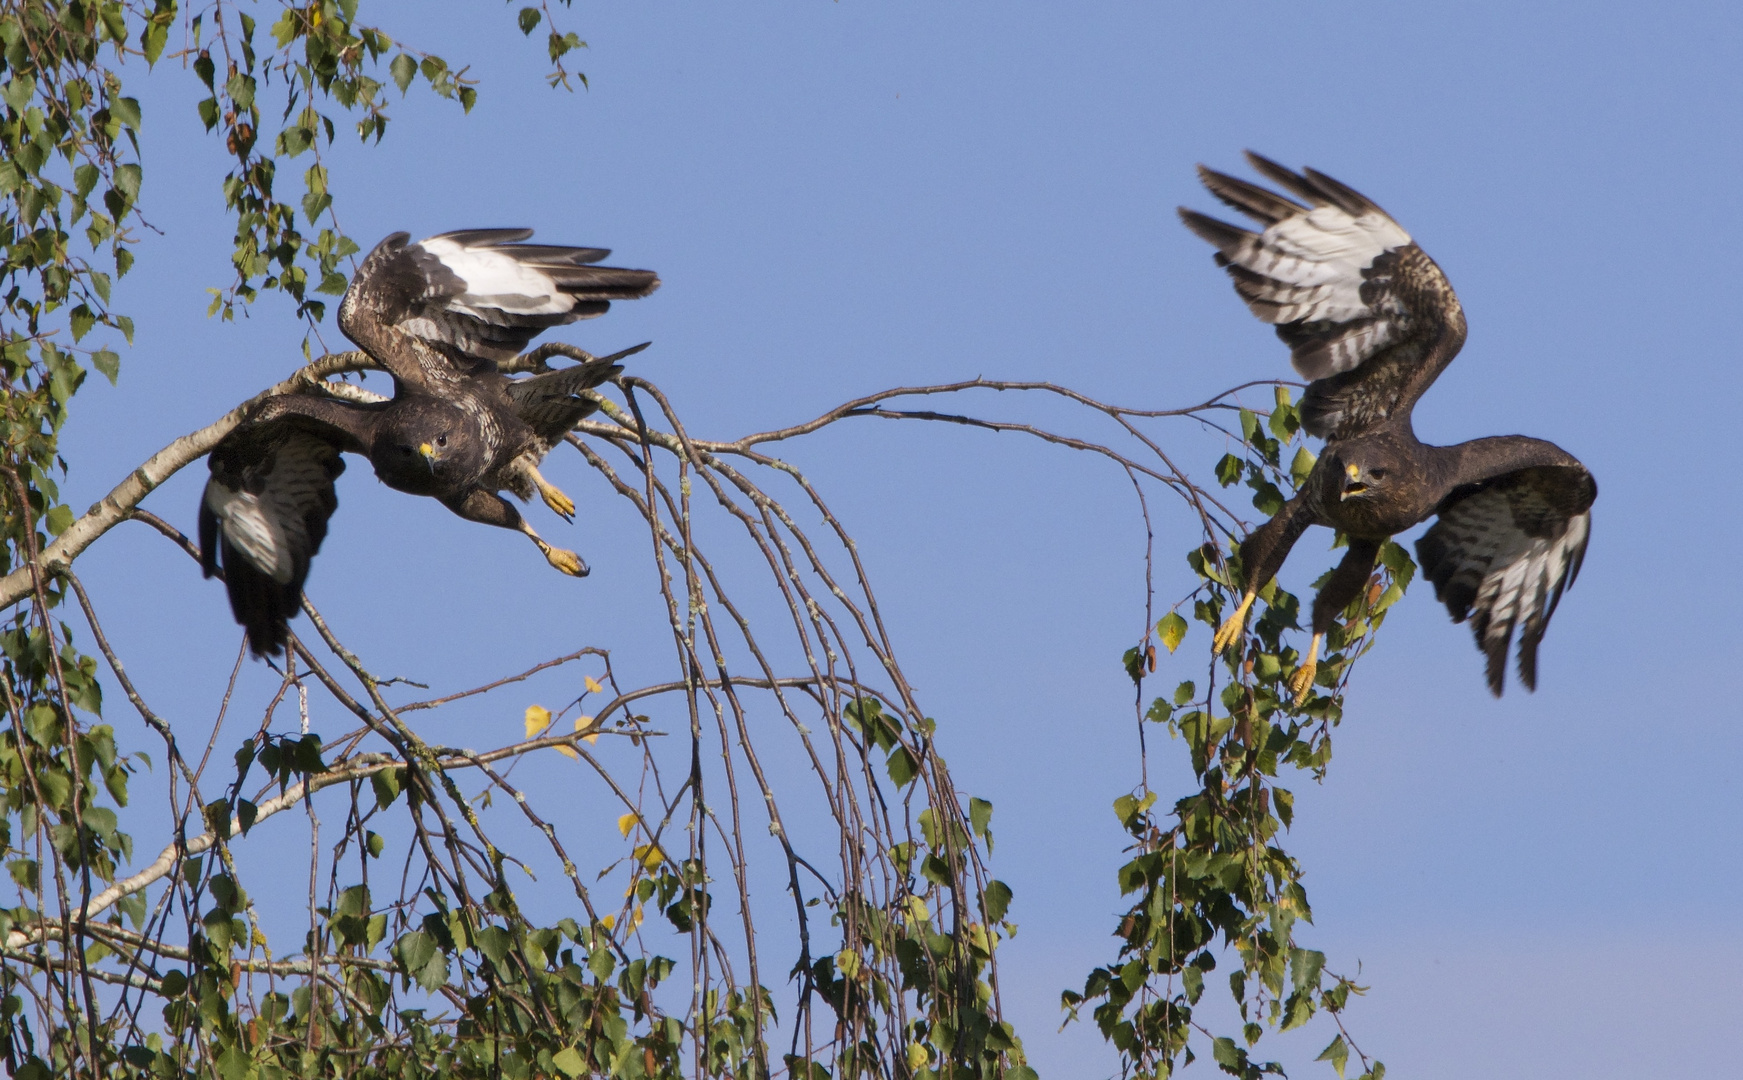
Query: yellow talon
[[1230, 630], [1301, 683], [555, 499], [566, 561]]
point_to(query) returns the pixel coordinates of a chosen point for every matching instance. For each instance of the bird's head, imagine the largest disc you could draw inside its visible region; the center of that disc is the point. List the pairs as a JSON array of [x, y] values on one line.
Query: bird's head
[[426, 449], [1368, 471]]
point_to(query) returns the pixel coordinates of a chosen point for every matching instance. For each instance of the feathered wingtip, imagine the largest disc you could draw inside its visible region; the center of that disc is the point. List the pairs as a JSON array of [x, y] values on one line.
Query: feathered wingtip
[[1314, 186], [1218, 234], [1261, 205]]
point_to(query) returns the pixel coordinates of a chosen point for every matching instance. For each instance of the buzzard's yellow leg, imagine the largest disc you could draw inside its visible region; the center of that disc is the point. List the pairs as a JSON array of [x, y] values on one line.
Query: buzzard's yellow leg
[[1231, 627], [553, 496], [566, 561], [1302, 681]]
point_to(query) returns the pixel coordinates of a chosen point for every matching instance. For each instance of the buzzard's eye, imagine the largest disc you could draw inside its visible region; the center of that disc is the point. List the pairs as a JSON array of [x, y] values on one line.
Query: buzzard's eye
[[441, 440], [1378, 474]]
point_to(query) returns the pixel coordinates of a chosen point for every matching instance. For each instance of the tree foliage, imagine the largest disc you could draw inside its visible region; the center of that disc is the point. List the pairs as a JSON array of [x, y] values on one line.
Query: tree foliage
[[1210, 876], [418, 957], [438, 970]]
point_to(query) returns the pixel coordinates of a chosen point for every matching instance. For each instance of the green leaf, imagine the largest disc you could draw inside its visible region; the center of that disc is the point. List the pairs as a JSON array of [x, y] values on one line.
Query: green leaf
[[901, 766], [1192, 980], [998, 900], [374, 844], [1185, 692], [1229, 469], [1228, 1055], [234, 1063], [1172, 630], [386, 785], [1249, 425], [18, 90], [1338, 1053], [1304, 968], [980, 816], [127, 179], [494, 942], [529, 20], [240, 87], [152, 42], [403, 69], [126, 110], [114, 21], [568, 1060], [81, 319], [1302, 465], [108, 362]]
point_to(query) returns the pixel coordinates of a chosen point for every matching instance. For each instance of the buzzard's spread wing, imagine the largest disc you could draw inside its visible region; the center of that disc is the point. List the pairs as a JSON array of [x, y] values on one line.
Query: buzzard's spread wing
[[1367, 316], [266, 505], [431, 311], [552, 404], [1503, 551]]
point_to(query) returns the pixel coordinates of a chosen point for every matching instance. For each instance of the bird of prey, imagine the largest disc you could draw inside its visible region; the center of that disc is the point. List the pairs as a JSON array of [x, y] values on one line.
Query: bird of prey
[[1371, 321], [438, 315]]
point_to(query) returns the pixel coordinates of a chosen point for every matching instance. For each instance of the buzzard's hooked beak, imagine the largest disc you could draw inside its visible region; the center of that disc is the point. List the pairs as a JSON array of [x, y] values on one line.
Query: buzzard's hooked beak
[[1351, 485], [428, 453]]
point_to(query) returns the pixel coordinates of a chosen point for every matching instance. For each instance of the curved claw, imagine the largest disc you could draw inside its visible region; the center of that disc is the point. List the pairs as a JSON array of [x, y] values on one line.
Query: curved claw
[[1230, 631], [555, 499], [1301, 682], [565, 560]]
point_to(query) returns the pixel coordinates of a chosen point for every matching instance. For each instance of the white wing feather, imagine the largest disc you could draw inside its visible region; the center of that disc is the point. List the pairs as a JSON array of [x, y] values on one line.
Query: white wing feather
[[1502, 557], [270, 527], [497, 282], [1314, 263]]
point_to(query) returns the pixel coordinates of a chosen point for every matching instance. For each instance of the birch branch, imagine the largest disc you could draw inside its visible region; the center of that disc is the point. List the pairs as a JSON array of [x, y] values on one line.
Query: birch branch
[[357, 768]]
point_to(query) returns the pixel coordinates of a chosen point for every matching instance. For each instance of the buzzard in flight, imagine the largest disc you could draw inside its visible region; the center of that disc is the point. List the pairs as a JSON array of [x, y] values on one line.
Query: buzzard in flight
[[438, 315], [1371, 321]]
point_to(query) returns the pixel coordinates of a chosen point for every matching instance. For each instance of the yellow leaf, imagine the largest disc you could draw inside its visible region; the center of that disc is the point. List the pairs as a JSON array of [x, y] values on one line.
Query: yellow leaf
[[917, 1056], [649, 855], [847, 962], [627, 822], [1172, 628], [538, 719], [592, 684], [608, 921], [581, 722], [568, 752]]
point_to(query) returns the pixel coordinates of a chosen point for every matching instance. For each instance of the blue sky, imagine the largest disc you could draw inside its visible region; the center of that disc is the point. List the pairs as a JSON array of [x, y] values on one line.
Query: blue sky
[[846, 197]]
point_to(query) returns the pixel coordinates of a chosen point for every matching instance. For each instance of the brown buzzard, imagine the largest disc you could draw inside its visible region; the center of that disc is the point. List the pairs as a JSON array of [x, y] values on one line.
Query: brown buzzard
[[1371, 321], [438, 316]]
